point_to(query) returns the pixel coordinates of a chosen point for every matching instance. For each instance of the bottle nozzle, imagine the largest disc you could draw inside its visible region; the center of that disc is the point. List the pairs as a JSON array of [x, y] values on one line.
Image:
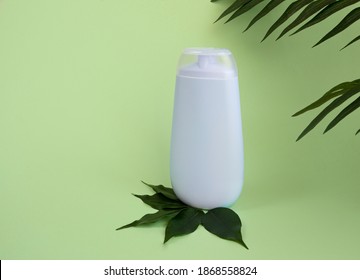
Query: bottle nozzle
[[207, 63], [205, 60]]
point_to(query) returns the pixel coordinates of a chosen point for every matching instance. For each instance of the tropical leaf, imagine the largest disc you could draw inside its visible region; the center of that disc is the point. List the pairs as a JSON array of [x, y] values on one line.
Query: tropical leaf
[[352, 41], [309, 11], [244, 8], [233, 7], [224, 223], [348, 20], [332, 93], [319, 10], [344, 113], [291, 10], [160, 202], [152, 218], [327, 12], [167, 192], [334, 104], [185, 222], [184, 219], [267, 9]]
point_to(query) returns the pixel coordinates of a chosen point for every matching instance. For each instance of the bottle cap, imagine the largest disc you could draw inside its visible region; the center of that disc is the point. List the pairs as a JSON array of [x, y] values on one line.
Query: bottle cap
[[209, 63]]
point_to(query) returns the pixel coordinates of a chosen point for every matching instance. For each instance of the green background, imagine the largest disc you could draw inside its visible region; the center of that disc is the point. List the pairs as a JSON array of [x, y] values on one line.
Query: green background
[[86, 96]]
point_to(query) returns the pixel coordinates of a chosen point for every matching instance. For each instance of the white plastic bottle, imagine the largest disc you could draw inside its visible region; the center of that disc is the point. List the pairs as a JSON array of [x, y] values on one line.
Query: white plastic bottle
[[206, 162]]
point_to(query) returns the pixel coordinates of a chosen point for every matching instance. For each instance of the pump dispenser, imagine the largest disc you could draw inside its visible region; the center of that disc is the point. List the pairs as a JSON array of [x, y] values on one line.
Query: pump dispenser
[[206, 157]]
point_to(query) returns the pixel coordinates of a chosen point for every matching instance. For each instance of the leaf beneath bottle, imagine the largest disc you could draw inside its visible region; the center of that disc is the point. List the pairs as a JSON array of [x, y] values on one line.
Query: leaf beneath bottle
[[185, 222], [224, 223], [167, 192], [151, 218], [159, 201]]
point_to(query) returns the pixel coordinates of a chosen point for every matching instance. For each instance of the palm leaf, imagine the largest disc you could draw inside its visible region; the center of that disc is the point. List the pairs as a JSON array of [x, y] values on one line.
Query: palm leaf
[[267, 9], [292, 9], [244, 8], [233, 7], [334, 104], [310, 10], [332, 93], [326, 12], [352, 41], [348, 20], [344, 113], [313, 12]]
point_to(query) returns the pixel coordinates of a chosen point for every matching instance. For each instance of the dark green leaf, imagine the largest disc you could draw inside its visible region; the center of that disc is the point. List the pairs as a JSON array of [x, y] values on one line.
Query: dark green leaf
[[357, 132], [326, 12], [159, 201], [185, 222], [233, 7], [292, 9], [152, 218], [309, 10], [350, 18], [224, 223], [337, 102], [352, 41], [168, 192], [244, 8], [332, 93], [268, 8], [344, 113]]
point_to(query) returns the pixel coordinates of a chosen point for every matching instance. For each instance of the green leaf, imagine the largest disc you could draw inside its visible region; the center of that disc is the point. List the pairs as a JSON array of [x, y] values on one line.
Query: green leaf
[[292, 9], [244, 8], [334, 104], [344, 113], [167, 192], [351, 42], [309, 10], [332, 93], [233, 7], [185, 222], [357, 132], [267, 9], [348, 20], [224, 223], [185, 219], [152, 218], [159, 201], [326, 12]]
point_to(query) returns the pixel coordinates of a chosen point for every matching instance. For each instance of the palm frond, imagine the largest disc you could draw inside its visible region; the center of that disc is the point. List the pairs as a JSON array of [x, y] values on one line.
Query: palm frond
[[267, 9], [311, 9], [350, 18], [290, 11], [344, 93], [344, 113], [244, 8], [328, 11], [351, 42], [340, 89], [311, 12], [233, 7]]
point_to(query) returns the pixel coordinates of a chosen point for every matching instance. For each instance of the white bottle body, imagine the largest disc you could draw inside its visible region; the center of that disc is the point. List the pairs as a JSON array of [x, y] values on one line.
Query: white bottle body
[[207, 158]]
